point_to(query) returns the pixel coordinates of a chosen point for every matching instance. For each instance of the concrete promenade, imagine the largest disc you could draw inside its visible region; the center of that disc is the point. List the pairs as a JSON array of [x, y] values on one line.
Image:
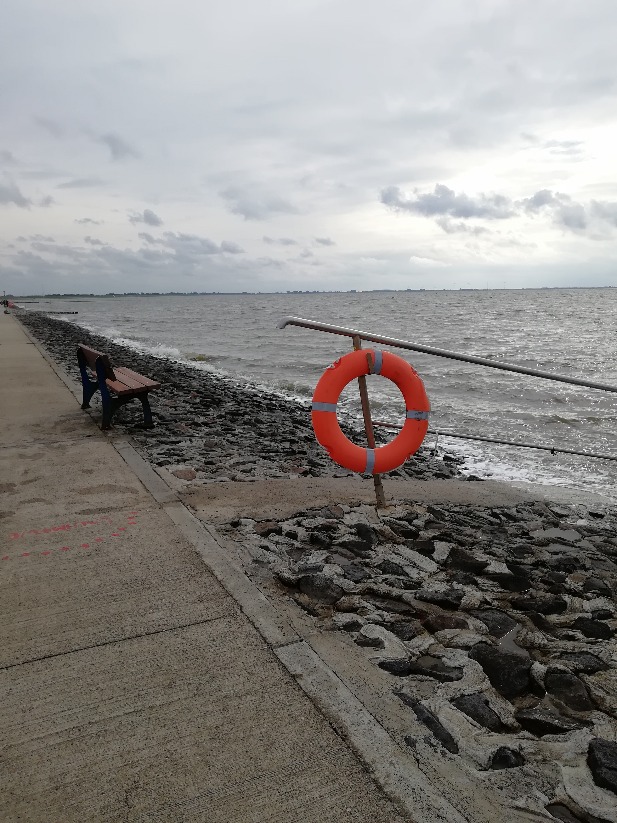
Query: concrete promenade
[[133, 685]]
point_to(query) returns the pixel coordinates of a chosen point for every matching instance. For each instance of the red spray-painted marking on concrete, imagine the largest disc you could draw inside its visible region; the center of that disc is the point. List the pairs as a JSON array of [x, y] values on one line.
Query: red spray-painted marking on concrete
[[48, 552], [64, 527]]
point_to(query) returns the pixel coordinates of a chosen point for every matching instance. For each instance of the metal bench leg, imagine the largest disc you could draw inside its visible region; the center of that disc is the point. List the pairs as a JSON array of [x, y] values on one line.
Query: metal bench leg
[[112, 404], [89, 386], [89, 389], [109, 407], [148, 424]]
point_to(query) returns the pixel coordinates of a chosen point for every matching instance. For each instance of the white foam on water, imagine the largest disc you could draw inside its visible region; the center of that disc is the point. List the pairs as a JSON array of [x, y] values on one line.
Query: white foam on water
[[499, 464]]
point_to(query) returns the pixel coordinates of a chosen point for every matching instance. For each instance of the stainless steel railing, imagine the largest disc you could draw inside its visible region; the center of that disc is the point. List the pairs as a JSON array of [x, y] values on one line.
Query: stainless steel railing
[[357, 336], [466, 358]]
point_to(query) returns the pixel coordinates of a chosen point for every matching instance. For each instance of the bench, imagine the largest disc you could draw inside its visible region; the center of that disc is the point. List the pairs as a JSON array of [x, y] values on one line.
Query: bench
[[117, 385]]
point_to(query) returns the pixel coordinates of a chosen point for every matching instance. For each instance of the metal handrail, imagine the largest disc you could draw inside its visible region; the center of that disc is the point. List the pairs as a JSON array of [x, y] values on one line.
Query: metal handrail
[[466, 358]]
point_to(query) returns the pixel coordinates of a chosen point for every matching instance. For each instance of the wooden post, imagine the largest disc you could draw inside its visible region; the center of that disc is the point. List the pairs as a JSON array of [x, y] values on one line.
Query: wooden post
[[368, 424]]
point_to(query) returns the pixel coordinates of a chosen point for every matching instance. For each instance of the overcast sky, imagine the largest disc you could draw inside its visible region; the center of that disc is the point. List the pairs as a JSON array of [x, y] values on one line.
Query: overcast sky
[[307, 144]]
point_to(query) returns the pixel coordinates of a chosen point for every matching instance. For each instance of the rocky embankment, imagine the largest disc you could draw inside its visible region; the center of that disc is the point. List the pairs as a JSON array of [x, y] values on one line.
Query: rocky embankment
[[208, 427], [495, 625]]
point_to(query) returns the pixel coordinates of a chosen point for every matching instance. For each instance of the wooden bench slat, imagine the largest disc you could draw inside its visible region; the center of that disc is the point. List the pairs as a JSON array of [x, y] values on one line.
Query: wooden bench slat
[[121, 389], [129, 377]]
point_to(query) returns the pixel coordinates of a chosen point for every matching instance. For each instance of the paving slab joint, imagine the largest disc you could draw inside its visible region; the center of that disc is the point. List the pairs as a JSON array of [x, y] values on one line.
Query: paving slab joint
[[111, 642]]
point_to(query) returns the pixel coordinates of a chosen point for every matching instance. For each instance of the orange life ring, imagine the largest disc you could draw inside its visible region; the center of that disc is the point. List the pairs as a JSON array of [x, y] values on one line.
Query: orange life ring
[[326, 425]]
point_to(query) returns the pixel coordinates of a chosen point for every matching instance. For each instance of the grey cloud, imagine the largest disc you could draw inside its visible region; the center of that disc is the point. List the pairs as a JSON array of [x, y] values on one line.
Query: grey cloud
[[445, 201], [65, 251], [270, 262], [152, 219], [81, 183], [190, 247], [28, 259], [142, 269], [189, 244], [156, 256], [605, 211], [46, 201], [229, 247], [88, 220], [11, 195], [42, 237], [572, 216], [444, 204], [324, 241], [148, 217], [7, 158], [119, 259], [452, 227], [118, 147], [279, 241], [255, 207], [50, 126], [539, 200], [566, 212], [93, 241], [25, 255]]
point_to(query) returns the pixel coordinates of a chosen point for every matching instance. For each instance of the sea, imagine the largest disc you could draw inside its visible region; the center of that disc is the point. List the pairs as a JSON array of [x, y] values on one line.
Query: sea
[[568, 332]]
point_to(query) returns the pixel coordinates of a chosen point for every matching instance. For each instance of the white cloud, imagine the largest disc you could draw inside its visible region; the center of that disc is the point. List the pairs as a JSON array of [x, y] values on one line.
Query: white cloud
[[426, 262]]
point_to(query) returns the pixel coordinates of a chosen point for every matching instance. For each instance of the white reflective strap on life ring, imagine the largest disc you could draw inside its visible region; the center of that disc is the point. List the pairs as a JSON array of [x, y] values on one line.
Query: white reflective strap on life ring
[[412, 414], [370, 461], [378, 363], [326, 407]]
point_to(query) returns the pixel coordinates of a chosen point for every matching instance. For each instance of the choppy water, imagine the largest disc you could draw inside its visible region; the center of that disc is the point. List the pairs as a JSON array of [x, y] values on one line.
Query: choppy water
[[567, 331]]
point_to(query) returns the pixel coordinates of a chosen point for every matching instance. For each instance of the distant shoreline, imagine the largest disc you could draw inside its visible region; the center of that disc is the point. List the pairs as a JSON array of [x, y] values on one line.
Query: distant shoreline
[[55, 296]]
